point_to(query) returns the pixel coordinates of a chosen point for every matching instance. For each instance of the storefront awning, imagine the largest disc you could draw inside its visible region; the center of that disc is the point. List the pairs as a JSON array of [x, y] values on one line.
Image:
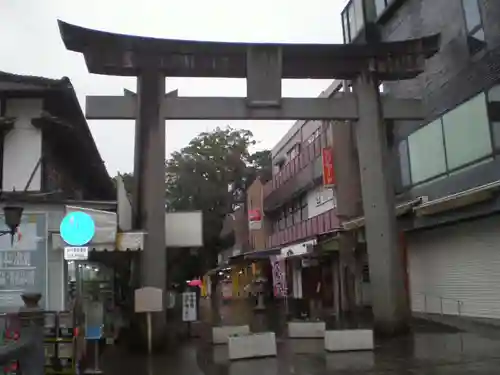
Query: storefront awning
[[255, 255], [401, 209], [125, 241], [215, 270], [465, 198]]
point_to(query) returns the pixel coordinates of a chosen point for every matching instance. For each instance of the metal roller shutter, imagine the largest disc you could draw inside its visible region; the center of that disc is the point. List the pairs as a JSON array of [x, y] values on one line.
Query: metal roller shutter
[[456, 269]]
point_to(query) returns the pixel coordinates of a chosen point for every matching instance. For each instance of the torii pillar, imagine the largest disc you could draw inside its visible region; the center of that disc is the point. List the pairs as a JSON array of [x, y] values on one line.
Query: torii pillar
[[264, 66]]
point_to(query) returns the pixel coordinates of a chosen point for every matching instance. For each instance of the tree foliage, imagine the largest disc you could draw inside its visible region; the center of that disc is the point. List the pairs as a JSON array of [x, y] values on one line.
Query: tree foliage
[[128, 181], [211, 174]]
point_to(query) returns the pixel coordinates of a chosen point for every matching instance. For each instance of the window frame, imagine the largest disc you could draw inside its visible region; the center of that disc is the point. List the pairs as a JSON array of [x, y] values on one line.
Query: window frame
[[490, 133], [412, 174], [347, 29], [495, 148], [386, 4], [479, 27], [407, 162]]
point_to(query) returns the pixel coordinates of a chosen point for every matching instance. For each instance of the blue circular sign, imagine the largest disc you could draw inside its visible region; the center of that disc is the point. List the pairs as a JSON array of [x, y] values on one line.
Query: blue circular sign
[[77, 228]]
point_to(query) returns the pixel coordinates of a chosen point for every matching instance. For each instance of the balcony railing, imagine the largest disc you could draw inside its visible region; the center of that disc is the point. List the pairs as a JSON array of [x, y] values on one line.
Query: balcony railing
[[314, 226], [308, 154]]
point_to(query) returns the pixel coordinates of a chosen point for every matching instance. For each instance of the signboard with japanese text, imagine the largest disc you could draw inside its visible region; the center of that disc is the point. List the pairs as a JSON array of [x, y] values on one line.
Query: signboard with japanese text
[[255, 219], [189, 307], [328, 168], [76, 253], [23, 263]]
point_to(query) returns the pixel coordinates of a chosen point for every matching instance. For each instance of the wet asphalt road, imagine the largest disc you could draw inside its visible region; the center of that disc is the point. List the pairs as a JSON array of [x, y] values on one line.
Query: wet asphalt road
[[439, 353], [432, 349]]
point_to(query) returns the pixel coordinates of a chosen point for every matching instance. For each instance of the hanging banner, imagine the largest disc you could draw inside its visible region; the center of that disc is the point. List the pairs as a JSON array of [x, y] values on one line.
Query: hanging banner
[[328, 169], [279, 276], [255, 219]]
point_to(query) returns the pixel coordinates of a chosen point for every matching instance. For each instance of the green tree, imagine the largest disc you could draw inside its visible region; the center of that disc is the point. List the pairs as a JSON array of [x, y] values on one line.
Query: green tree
[[260, 166], [128, 181], [211, 174]]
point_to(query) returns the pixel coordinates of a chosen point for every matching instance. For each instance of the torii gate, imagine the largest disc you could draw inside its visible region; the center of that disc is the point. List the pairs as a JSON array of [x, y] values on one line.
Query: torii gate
[[264, 66]]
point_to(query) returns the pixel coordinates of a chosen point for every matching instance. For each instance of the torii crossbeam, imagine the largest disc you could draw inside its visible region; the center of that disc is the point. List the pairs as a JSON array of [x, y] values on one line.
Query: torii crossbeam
[[264, 66]]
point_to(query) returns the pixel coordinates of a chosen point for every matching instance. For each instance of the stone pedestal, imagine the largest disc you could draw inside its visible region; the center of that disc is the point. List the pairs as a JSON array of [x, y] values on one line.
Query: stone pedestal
[[220, 335], [256, 345], [306, 330], [349, 340]]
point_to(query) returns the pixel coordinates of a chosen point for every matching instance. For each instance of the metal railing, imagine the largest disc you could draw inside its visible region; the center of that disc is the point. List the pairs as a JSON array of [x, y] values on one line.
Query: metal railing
[[428, 300], [22, 352]]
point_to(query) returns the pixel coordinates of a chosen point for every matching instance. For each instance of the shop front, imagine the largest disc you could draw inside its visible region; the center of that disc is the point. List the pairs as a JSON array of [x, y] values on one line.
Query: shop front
[[312, 278], [253, 273]]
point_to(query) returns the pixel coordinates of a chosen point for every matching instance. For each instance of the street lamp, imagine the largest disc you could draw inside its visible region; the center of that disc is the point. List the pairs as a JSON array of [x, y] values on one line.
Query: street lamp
[[13, 216]]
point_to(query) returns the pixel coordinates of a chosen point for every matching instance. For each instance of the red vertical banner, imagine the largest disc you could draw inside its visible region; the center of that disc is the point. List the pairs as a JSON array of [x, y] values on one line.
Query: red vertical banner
[[328, 169]]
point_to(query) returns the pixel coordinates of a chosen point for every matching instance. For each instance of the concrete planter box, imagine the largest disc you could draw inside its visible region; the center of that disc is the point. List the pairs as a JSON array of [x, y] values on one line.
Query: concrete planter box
[[306, 330], [256, 345], [349, 340], [221, 334]]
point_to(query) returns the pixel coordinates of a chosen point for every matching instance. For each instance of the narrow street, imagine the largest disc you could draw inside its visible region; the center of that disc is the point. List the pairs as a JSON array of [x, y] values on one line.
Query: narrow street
[[432, 348]]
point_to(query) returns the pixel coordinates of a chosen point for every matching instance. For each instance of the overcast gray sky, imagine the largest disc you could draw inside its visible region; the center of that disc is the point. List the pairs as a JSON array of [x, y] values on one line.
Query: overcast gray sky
[[30, 44]]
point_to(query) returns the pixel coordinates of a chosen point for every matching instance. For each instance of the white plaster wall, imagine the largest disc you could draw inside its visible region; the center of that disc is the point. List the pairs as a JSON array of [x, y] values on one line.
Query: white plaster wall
[[56, 283], [22, 146], [320, 200]]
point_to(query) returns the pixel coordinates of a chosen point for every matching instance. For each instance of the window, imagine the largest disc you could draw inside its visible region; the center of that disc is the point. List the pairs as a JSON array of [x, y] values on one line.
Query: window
[[281, 225], [404, 163], [289, 215], [462, 137], [426, 150], [303, 207], [293, 152], [313, 136], [324, 195], [345, 28], [467, 133], [494, 114], [380, 6], [475, 32], [359, 18], [352, 20], [296, 212]]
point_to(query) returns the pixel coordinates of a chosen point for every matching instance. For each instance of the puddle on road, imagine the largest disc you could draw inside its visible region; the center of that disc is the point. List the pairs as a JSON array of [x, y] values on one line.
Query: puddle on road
[[417, 354]]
